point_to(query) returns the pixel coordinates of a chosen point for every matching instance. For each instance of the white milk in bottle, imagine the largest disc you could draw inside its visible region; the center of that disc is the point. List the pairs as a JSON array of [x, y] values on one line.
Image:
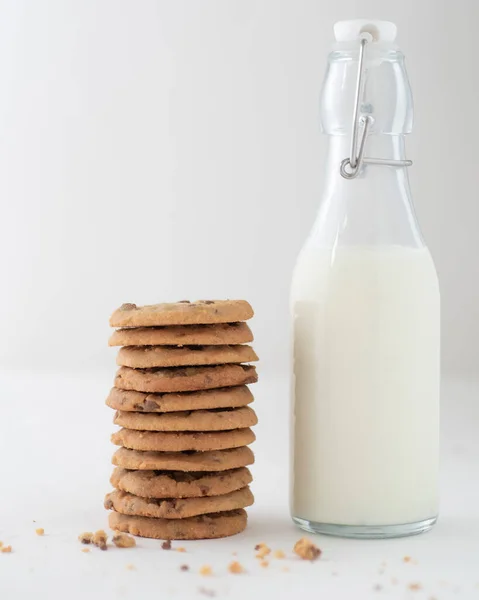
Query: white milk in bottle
[[365, 314]]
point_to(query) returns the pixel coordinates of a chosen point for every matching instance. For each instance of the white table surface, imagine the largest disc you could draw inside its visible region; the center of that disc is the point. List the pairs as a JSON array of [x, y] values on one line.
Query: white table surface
[[55, 465]]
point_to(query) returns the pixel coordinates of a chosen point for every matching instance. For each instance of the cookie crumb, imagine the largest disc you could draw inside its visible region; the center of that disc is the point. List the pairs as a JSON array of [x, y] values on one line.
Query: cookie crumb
[[235, 567], [166, 545], [130, 567], [123, 540], [180, 549], [259, 546], [206, 570], [6, 549], [407, 559], [306, 550], [99, 539], [40, 531], [207, 592], [263, 551], [377, 587], [415, 587], [85, 550], [86, 537], [264, 564], [279, 554], [184, 568]]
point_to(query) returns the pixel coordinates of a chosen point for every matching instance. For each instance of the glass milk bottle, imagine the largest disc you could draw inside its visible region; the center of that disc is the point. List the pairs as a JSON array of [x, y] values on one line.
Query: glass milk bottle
[[365, 313]]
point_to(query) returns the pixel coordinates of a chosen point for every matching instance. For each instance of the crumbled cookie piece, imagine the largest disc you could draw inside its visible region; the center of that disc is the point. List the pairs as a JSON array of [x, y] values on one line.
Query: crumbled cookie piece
[[180, 549], [407, 559], [6, 549], [279, 554], [40, 531], [306, 550], [206, 570], [235, 567], [263, 551], [86, 537], [123, 540], [85, 550], [130, 567], [99, 539], [166, 545], [264, 564], [184, 568], [260, 545], [207, 592], [415, 587]]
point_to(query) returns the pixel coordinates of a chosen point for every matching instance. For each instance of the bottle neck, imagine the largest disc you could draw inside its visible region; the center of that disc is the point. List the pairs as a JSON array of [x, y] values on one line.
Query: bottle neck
[[373, 209]]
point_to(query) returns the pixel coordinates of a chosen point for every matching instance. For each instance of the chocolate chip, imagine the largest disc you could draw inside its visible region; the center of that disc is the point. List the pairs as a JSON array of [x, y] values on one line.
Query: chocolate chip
[[207, 302], [128, 306], [108, 504], [184, 568], [166, 545], [150, 405], [204, 489]]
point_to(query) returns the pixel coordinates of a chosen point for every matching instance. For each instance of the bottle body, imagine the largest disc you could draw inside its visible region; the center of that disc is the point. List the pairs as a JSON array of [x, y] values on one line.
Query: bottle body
[[365, 386], [365, 312]]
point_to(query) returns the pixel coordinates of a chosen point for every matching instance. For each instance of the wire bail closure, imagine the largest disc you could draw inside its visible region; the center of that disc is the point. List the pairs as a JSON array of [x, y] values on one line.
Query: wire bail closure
[[350, 167]]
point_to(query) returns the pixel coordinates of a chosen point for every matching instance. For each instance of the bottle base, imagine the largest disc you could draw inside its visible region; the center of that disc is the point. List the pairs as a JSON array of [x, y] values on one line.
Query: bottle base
[[366, 531]]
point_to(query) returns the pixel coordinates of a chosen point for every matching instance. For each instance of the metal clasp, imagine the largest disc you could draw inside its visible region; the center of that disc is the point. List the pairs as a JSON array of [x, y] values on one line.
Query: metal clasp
[[350, 167]]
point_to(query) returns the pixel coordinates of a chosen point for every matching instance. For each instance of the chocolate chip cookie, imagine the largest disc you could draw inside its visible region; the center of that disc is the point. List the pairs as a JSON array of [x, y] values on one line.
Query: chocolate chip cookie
[[216, 460], [177, 508], [178, 484], [196, 420], [229, 397], [184, 379], [145, 357], [181, 313], [183, 335], [173, 441], [215, 525]]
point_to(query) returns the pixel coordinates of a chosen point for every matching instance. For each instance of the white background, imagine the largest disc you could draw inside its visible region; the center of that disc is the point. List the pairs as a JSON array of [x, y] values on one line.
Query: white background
[[160, 150]]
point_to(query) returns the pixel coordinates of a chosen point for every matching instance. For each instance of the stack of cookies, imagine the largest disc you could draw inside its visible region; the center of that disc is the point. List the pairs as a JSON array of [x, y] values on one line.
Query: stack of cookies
[[182, 405]]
